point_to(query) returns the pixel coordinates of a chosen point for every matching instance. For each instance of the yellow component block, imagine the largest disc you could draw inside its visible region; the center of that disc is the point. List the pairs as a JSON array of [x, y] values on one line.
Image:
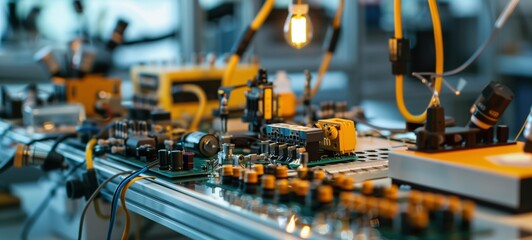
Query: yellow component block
[[286, 105], [340, 135], [268, 104], [87, 90], [157, 82]]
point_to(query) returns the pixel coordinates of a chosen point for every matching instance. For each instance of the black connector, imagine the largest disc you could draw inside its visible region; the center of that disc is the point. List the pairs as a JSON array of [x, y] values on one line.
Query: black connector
[[399, 55], [333, 36], [84, 187]]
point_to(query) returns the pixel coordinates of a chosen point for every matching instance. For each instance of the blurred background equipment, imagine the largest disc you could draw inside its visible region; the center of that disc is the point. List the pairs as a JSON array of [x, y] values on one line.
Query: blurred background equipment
[[265, 119]]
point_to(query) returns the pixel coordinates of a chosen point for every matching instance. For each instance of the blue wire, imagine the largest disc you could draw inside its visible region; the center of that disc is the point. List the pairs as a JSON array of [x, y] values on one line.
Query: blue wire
[[115, 198]]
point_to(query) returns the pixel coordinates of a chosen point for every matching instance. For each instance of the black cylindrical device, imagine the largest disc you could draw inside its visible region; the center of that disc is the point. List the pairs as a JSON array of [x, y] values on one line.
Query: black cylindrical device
[[204, 144], [490, 105], [162, 155]]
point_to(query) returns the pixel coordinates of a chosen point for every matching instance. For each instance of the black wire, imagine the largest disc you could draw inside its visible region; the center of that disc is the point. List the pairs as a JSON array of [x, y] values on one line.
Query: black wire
[[41, 140], [44, 204], [92, 197], [60, 140]]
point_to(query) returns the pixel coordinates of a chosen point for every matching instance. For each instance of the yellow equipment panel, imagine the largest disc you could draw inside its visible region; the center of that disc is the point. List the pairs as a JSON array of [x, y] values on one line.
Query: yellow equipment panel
[[88, 90], [157, 82]]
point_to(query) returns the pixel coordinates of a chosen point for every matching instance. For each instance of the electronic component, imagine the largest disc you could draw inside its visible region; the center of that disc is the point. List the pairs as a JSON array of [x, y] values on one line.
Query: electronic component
[[260, 103], [435, 137], [339, 135], [413, 214], [153, 86], [296, 135], [94, 92], [204, 144], [490, 105], [499, 175]]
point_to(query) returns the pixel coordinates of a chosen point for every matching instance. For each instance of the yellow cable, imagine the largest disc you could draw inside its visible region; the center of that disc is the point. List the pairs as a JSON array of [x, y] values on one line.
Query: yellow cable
[[326, 60], [202, 98], [123, 202], [261, 16], [137, 227], [99, 212], [438, 42], [88, 153]]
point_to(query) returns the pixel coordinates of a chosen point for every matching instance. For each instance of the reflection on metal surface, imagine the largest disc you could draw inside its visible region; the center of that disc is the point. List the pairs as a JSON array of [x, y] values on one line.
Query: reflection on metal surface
[[305, 232], [291, 226]]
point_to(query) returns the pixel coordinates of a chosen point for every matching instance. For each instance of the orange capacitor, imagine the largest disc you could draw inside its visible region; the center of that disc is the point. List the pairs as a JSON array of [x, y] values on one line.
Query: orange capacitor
[[281, 172], [227, 174], [268, 182], [391, 192], [348, 184], [283, 187], [319, 174], [251, 177], [367, 188], [259, 168], [325, 194]]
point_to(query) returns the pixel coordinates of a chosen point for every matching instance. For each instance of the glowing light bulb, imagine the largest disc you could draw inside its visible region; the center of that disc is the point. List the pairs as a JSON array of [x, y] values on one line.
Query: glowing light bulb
[[298, 29]]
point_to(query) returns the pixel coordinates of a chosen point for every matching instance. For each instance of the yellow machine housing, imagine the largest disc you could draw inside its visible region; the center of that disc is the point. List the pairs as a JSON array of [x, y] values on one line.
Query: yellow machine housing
[[156, 82], [88, 90], [340, 135]]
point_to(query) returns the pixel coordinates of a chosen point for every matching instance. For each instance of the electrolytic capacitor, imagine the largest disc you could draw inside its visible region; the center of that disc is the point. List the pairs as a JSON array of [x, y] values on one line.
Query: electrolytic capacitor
[[227, 174], [268, 187], [151, 154], [176, 160], [283, 191], [162, 156], [251, 181], [204, 144]]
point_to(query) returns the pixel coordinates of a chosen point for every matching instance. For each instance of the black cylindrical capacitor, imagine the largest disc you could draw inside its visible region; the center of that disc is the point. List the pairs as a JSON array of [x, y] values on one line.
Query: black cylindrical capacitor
[[502, 133], [162, 156], [151, 154], [204, 144], [176, 160]]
